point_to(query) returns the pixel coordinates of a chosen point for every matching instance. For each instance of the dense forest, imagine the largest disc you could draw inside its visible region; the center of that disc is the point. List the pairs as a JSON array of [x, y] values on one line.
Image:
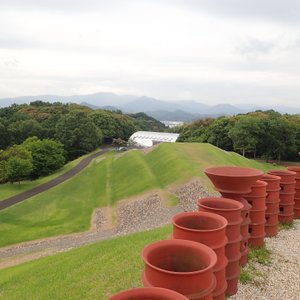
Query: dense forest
[[38, 138], [264, 134]]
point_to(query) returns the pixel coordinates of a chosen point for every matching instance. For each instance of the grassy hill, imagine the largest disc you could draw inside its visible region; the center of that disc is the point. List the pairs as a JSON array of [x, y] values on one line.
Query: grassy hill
[[90, 272], [68, 207]]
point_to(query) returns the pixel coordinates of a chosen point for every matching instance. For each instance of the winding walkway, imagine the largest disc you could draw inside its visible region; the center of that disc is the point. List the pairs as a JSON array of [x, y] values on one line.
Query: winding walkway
[[50, 184]]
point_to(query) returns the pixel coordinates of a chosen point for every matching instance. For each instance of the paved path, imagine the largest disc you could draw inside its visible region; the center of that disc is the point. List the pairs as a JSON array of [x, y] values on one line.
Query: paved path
[[48, 185]]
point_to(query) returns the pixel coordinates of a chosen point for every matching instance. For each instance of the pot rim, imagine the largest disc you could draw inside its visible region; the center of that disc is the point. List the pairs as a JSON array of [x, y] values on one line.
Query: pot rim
[[178, 242], [238, 205], [199, 213], [281, 172], [236, 171], [270, 177]]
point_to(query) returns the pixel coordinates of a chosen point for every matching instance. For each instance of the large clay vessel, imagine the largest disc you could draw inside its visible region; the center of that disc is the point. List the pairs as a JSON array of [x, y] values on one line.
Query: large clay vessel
[[286, 194], [272, 203], [152, 293], [209, 229], [180, 265], [257, 199], [231, 211], [297, 191], [233, 182]]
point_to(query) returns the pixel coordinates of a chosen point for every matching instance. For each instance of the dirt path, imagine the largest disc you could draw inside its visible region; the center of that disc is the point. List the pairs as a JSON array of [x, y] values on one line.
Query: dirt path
[[48, 185]]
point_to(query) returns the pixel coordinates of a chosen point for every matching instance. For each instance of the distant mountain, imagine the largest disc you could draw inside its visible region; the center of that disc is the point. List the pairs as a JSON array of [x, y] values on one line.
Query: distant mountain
[[185, 110]]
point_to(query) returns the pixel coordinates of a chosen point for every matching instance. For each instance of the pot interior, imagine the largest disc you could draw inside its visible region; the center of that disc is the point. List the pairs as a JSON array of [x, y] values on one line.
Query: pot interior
[[199, 222], [178, 258]]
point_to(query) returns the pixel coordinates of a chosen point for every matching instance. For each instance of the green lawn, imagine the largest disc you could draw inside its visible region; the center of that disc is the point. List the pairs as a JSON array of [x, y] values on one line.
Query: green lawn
[[90, 272], [67, 208], [7, 190]]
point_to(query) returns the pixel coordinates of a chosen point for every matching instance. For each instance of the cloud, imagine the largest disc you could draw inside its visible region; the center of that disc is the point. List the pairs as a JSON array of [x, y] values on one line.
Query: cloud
[[254, 46]]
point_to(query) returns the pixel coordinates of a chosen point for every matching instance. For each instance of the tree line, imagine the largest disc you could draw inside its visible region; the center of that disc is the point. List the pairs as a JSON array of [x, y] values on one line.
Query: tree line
[[265, 134], [38, 138]]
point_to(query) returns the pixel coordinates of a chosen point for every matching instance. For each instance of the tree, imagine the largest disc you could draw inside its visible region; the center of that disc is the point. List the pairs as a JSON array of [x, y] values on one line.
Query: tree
[[245, 134], [218, 133], [21, 130], [15, 164], [47, 156], [4, 135], [77, 132]]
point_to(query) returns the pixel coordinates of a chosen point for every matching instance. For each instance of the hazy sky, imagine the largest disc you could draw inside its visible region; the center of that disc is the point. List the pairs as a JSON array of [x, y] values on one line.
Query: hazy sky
[[213, 51]]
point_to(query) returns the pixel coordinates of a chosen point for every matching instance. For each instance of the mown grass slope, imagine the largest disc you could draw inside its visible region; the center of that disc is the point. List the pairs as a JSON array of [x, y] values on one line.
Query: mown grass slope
[[90, 272], [68, 207]]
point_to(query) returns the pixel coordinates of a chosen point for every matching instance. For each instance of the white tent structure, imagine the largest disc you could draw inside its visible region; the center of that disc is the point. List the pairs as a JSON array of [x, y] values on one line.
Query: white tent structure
[[148, 138]]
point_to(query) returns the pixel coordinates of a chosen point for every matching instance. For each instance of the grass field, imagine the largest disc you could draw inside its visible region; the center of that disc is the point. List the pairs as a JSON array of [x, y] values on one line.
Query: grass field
[[90, 272], [67, 208], [7, 190]]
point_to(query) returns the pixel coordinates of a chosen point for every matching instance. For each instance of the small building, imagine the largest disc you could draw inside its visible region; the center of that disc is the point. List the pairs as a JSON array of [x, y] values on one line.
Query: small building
[[150, 138]]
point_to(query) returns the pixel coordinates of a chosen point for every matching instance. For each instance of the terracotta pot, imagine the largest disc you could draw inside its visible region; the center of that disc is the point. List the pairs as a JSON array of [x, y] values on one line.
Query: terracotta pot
[[257, 203], [286, 176], [272, 195], [271, 219], [258, 189], [233, 249], [152, 293], [231, 210], [297, 193], [295, 169], [257, 235], [297, 184], [296, 213], [233, 268], [203, 227], [209, 229], [287, 187], [272, 207], [272, 181], [180, 265], [257, 216], [286, 209], [287, 198], [286, 218], [228, 178], [297, 202], [271, 230]]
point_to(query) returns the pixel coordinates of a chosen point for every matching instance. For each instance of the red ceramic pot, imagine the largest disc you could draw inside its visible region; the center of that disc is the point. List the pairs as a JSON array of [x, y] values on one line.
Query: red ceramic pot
[[271, 230], [272, 207], [203, 227], [286, 209], [257, 235], [233, 268], [152, 293], [297, 203], [296, 213], [229, 209], [272, 181], [287, 198], [287, 187], [233, 249], [297, 192], [257, 216], [228, 178], [286, 219], [297, 184], [273, 195], [258, 189], [286, 176], [257, 203], [294, 169], [180, 265], [272, 219]]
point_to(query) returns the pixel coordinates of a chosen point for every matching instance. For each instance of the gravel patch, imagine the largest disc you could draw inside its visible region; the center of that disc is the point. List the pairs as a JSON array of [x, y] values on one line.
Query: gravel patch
[[189, 193], [143, 214], [282, 276]]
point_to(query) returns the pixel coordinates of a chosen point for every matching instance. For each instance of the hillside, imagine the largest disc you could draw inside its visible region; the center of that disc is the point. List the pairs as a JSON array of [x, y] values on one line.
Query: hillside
[[68, 207]]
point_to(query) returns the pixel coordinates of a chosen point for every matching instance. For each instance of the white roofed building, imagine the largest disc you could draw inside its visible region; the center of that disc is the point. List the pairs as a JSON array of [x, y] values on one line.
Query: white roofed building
[[149, 138]]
